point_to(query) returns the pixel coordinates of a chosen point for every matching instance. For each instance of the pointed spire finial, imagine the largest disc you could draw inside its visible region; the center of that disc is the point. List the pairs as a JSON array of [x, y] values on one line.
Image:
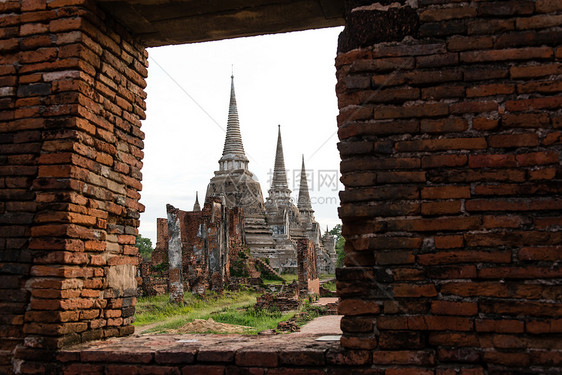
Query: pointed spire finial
[[196, 206], [233, 156], [304, 204], [279, 174]]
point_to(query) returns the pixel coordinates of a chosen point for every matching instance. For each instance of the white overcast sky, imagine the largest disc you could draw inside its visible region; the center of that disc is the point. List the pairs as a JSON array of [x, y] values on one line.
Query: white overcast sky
[[286, 79]]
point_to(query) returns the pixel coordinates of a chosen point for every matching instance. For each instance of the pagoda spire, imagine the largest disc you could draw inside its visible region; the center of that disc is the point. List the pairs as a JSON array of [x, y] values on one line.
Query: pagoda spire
[[304, 204], [279, 187], [279, 172], [196, 206], [233, 156]]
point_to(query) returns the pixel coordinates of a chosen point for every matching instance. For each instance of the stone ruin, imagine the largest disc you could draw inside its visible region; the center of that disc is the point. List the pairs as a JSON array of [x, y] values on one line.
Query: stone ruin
[[194, 249], [271, 227], [205, 249]]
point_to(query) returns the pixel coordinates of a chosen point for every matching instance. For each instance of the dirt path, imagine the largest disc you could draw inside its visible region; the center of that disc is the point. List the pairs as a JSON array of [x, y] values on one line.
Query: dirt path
[[140, 330], [323, 325]]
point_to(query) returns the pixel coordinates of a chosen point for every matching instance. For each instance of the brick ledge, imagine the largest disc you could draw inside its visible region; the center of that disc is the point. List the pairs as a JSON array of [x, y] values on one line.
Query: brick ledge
[[176, 351]]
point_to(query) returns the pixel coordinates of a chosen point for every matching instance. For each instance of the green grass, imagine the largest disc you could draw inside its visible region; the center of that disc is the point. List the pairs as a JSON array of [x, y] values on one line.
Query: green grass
[[234, 308], [259, 320], [158, 309], [290, 277], [331, 286]]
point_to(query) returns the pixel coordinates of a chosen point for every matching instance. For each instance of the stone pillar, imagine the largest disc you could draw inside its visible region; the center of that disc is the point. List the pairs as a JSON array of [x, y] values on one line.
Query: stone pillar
[[450, 143], [175, 276], [71, 101]]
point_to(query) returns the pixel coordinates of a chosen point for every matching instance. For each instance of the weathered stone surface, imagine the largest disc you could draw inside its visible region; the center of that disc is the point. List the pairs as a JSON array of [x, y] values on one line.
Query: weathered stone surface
[[158, 23], [367, 27]]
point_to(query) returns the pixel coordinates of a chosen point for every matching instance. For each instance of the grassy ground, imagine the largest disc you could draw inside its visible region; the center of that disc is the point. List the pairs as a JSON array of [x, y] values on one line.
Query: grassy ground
[[290, 277], [159, 316]]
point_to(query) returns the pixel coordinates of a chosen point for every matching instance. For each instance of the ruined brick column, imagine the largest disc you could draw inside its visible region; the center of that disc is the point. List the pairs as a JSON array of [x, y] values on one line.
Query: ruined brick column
[[450, 130], [71, 101], [175, 282], [307, 272]]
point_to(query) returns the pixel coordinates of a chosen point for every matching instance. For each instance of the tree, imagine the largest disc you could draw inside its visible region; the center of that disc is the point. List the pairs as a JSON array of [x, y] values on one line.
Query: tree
[[145, 246], [340, 243]]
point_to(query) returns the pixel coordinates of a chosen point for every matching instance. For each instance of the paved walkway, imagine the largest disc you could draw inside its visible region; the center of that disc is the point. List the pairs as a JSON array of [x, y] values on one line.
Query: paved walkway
[[323, 325]]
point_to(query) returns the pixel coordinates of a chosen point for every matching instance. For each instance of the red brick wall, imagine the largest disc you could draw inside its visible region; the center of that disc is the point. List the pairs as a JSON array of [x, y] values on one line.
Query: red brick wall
[[71, 101], [450, 146]]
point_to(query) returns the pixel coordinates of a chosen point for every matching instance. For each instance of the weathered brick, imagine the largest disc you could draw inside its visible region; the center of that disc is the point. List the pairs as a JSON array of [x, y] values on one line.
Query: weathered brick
[[445, 192], [507, 54], [513, 140], [538, 21], [441, 144], [490, 26], [403, 357], [536, 103], [451, 124], [454, 308], [401, 340], [475, 106], [491, 161], [510, 359], [464, 43], [505, 8], [382, 64], [414, 291], [540, 87], [540, 253], [432, 61], [203, 369], [443, 91], [441, 14], [547, 6], [441, 208], [490, 90], [504, 325], [396, 112], [358, 307], [448, 242], [378, 128], [468, 256], [258, 358]]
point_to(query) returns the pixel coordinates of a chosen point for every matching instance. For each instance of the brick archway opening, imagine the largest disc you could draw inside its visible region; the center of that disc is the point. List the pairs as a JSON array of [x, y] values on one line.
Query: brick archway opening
[[450, 142]]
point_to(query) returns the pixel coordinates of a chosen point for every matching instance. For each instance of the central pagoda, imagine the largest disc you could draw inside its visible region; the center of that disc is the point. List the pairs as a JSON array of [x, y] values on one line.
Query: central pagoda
[[234, 183]]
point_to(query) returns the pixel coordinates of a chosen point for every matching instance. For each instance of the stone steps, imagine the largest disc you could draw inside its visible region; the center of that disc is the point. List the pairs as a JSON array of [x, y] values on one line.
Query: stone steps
[[268, 267]]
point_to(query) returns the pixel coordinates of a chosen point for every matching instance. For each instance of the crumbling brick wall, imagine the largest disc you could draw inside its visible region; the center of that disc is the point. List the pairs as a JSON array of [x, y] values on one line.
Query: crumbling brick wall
[[450, 143], [208, 241], [154, 271], [307, 271], [71, 101]]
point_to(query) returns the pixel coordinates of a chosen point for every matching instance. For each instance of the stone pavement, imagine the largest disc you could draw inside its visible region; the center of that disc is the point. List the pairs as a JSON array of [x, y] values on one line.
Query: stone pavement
[[323, 325]]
